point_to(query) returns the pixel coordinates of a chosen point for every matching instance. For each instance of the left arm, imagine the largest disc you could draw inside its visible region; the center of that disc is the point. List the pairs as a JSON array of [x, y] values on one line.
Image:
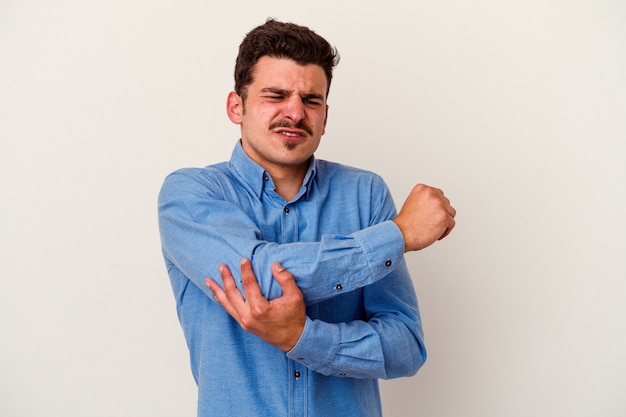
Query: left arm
[[388, 344]]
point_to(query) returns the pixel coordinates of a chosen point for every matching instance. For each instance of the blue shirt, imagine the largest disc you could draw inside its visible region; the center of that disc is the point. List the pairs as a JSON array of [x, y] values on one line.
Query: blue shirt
[[337, 238]]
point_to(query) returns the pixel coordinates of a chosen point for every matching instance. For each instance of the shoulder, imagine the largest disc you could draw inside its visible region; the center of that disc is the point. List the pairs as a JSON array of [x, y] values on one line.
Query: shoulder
[[334, 172], [197, 179], [364, 190], [198, 173]]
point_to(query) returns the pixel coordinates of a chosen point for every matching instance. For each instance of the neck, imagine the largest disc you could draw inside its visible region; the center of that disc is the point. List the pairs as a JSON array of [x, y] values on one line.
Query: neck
[[288, 181]]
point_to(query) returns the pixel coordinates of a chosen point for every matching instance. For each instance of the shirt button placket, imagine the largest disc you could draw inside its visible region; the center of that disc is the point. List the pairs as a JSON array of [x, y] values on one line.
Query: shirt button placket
[[298, 387], [289, 224]]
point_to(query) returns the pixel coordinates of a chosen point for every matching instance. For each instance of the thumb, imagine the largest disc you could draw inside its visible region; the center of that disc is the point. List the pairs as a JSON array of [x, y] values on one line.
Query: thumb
[[284, 278]]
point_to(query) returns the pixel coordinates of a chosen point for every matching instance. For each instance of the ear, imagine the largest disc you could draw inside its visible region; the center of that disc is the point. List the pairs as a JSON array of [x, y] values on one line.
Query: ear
[[325, 120], [234, 107]]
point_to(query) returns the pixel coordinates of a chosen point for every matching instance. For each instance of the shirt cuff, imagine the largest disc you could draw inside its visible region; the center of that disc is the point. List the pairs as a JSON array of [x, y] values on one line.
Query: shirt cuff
[[317, 346], [383, 246]]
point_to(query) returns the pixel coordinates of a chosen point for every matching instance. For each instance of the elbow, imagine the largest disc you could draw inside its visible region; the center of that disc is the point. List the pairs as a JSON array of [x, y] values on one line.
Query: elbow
[[407, 365], [419, 358]]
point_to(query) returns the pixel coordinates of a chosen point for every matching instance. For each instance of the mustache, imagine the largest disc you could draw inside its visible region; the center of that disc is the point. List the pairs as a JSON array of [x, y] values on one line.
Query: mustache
[[285, 123]]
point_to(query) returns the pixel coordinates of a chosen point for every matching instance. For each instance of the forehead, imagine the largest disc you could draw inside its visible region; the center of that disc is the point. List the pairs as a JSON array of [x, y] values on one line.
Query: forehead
[[284, 73]]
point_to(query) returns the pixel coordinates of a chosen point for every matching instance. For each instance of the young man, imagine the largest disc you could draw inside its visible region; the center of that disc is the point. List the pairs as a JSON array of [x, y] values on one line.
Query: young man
[[319, 303]]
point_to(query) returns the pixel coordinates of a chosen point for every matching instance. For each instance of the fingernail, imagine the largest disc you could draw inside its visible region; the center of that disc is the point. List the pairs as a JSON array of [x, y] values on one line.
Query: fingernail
[[278, 267]]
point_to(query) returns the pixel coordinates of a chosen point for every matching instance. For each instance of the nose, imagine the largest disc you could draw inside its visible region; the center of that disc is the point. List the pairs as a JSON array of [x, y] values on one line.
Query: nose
[[294, 109]]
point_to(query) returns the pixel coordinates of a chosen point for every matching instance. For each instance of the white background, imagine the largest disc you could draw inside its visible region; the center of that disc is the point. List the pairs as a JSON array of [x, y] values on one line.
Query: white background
[[516, 109]]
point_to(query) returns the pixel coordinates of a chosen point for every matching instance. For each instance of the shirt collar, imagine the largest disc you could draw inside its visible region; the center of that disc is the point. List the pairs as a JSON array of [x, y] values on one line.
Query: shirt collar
[[257, 178]]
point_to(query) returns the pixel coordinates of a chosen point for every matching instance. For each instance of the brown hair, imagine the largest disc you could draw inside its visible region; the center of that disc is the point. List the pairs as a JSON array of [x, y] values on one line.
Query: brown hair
[[282, 40]]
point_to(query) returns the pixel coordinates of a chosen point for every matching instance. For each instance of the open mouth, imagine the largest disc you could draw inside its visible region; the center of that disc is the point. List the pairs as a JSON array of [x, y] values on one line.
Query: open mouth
[[291, 134]]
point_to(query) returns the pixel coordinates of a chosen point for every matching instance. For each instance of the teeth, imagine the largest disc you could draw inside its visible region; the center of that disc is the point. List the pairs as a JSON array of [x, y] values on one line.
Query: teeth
[[290, 134]]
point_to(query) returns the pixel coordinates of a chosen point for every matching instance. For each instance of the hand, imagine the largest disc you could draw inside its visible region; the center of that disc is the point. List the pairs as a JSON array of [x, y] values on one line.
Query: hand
[[425, 217], [279, 322]]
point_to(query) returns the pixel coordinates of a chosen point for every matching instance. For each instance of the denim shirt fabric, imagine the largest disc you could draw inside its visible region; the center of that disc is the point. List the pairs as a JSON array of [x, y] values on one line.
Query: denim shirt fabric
[[337, 238]]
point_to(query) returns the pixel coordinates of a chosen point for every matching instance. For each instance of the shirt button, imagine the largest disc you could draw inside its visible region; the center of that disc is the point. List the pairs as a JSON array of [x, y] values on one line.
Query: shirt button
[[342, 374], [286, 209], [339, 287], [388, 262], [266, 178], [296, 374]]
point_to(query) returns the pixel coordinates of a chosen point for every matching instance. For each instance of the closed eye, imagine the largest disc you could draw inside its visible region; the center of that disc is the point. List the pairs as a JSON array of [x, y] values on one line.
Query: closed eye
[[273, 93], [312, 102], [277, 94]]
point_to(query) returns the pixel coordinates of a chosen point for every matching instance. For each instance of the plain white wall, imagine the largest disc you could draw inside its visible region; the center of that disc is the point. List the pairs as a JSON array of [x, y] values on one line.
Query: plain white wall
[[516, 109]]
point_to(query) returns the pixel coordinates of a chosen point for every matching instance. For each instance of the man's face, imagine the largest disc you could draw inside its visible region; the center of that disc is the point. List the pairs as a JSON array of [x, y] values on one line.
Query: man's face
[[284, 115]]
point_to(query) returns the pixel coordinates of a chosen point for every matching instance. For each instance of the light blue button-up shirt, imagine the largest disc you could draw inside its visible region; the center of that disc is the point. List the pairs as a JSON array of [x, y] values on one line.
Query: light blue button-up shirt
[[337, 238]]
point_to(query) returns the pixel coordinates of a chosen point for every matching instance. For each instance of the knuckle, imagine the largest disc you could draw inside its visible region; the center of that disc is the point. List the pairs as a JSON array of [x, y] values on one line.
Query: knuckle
[[435, 192], [256, 311], [247, 323]]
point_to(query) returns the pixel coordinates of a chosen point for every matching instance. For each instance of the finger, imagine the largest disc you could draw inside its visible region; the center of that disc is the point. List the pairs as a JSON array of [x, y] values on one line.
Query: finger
[[220, 297], [230, 287], [215, 288], [233, 296], [251, 288], [451, 225], [451, 211]]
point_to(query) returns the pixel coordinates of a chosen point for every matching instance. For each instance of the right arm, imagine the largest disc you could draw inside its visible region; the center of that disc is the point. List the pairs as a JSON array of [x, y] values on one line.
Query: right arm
[[201, 230]]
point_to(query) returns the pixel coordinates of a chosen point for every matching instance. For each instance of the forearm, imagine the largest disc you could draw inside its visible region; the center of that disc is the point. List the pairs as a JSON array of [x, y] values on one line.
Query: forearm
[[323, 269], [382, 348], [336, 264], [386, 343], [204, 223]]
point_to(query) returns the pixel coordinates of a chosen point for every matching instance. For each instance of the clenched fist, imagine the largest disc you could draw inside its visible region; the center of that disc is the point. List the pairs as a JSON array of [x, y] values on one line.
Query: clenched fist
[[425, 217]]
